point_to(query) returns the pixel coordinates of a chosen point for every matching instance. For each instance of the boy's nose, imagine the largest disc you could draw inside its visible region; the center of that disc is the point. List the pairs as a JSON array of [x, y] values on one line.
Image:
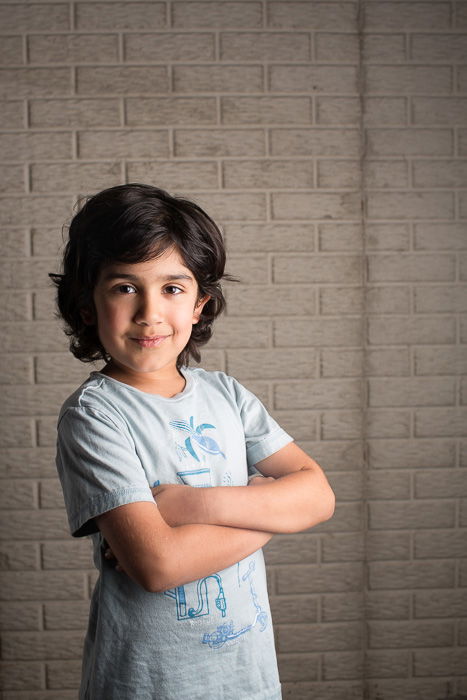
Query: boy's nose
[[149, 312]]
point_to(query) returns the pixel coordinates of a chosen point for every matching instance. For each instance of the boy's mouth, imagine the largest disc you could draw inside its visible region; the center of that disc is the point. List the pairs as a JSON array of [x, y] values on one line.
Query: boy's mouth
[[150, 341]]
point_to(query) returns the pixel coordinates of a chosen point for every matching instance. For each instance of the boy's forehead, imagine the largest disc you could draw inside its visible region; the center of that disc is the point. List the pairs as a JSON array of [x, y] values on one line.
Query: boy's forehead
[[169, 265]]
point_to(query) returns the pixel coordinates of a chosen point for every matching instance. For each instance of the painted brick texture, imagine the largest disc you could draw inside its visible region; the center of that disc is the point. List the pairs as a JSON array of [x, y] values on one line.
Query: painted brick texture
[[329, 140]]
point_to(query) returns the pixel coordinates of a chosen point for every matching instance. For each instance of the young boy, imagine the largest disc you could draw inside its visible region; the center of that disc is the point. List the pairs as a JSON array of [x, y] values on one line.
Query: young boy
[[180, 610]]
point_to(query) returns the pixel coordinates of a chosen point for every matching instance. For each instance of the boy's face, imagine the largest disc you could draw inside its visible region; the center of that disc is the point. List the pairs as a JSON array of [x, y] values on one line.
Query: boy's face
[[145, 314]]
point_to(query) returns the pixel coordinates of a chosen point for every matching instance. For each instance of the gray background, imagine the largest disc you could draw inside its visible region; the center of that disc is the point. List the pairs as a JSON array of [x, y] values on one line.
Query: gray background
[[329, 139]]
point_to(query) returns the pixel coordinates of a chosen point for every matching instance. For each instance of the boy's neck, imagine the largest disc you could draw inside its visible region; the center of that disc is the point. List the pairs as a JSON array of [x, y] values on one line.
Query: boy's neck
[[165, 384]]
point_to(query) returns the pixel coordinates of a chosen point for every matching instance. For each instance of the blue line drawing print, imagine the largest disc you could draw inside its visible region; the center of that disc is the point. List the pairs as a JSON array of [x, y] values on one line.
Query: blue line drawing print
[[226, 633], [196, 438], [196, 477], [186, 613]]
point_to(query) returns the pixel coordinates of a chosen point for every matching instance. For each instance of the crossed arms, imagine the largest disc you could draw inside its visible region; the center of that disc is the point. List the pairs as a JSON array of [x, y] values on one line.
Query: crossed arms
[[194, 532]]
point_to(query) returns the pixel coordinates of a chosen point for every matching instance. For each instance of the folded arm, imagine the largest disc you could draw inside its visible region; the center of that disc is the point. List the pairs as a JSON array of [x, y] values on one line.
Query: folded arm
[[297, 498], [159, 557]]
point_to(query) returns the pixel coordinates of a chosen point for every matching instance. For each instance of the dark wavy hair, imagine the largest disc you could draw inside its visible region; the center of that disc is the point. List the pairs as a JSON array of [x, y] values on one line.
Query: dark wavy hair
[[134, 223]]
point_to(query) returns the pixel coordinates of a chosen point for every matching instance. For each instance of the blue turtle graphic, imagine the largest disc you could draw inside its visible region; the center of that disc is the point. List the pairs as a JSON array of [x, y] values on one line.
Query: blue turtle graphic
[[204, 442]]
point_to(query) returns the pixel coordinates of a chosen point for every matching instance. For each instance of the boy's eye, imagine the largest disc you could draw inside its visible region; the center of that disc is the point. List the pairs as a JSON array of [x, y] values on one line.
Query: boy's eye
[[125, 289], [172, 289]]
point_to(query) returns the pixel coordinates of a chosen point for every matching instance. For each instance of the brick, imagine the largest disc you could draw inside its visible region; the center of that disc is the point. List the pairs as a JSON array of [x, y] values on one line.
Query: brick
[[27, 524], [450, 603], [27, 462], [15, 307], [380, 111], [12, 179], [42, 645], [72, 555], [14, 242], [319, 142], [386, 174], [387, 664], [16, 369], [325, 691], [25, 274], [72, 48], [168, 47], [268, 364], [218, 78], [338, 237], [333, 636], [264, 46], [345, 665], [33, 210], [225, 206], [266, 110], [43, 303], [317, 268], [291, 332], [390, 484], [386, 16], [42, 585], [29, 82], [439, 173], [292, 549], [216, 14], [21, 17], [339, 607], [416, 391], [34, 400], [444, 299], [35, 145], [412, 575], [299, 206], [51, 496], [348, 516], [174, 176], [120, 15], [440, 360], [19, 556], [70, 113], [121, 80], [46, 433], [17, 494], [439, 110], [411, 268], [241, 333], [386, 605], [387, 362], [74, 177], [462, 206], [171, 111], [253, 238], [409, 689], [66, 616], [384, 48], [318, 15], [319, 394], [387, 237], [12, 112], [408, 205], [292, 667], [388, 423], [337, 174], [337, 110], [63, 674], [300, 424], [440, 545], [341, 363], [270, 301], [440, 421], [40, 695], [60, 368], [123, 144], [411, 454], [440, 662], [20, 616], [343, 547], [411, 515], [11, 50], [219, 142], [263, 174], [346, 486], [462, 79], [388, 300], [446, 48], [341, 424], [412, 80], [21, 675], [335, 48], [387, 546], [411, 330], [462, 148], [313, 79], [340, 300], [423, 142]]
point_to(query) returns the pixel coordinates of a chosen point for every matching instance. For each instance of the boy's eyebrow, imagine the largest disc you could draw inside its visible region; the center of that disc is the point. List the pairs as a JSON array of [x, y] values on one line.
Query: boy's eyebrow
[[111, 275]]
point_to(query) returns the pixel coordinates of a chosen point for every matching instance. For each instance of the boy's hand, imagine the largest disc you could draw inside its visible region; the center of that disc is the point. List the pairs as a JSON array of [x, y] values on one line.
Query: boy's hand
[[259, 480]]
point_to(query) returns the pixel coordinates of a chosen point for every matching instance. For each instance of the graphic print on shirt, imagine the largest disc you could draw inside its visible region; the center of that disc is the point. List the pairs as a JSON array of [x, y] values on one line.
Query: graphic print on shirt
[[196, 443], [226, 633], [201, 592]]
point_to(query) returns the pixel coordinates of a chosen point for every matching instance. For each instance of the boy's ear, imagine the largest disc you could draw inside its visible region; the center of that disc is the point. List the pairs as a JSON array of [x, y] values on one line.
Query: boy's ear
[[88, 316], [199, 307]]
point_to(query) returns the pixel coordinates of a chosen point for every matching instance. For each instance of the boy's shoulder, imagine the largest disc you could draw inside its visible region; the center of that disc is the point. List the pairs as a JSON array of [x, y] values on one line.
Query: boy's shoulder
[[94, 393], [215, 379]]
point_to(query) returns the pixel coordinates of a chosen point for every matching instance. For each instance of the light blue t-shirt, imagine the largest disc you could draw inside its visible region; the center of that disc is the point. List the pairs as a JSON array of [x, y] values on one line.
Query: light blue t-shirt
[[210, 638]]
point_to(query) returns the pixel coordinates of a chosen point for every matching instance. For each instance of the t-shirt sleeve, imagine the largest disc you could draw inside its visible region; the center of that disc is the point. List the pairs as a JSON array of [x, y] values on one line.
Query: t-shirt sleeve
[[98, 467], [263, 435]]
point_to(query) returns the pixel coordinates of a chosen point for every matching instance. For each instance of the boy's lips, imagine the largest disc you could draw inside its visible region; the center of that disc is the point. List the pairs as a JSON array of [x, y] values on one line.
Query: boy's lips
[[149, 341]]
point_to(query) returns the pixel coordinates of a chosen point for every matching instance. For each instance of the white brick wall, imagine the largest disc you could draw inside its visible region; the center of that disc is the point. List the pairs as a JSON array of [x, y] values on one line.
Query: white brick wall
[[281, 117]]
